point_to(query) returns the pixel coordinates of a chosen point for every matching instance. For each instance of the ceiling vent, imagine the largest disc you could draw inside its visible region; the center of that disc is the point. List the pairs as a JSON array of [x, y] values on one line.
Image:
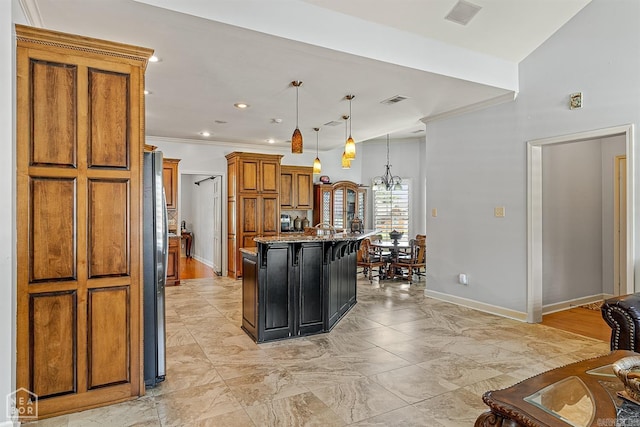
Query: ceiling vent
[[394, 100], [332, 123], [462, 12]]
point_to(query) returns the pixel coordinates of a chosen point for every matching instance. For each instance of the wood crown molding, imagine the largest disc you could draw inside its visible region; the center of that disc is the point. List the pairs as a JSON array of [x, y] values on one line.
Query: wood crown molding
[[42, 37]]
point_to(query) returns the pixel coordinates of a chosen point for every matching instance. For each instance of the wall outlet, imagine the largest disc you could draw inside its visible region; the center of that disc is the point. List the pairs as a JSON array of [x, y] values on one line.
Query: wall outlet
[[498, 212], [462, 279]]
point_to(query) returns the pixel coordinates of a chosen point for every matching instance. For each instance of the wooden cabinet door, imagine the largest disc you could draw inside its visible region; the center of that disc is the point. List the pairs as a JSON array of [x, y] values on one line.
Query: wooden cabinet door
[[170, 181], [287, 191], [249, 176], [173, 262], [270, 215], [304, 187], [270, 176], [79, 135]]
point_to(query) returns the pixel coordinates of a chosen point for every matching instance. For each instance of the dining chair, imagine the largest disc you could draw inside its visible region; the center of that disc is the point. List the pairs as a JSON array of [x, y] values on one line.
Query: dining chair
[[413, 263], [368, 258]]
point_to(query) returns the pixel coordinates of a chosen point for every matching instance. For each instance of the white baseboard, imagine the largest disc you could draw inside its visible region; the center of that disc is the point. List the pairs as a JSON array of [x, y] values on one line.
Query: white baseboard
[[572, 303], [477, 305], [9, 424]]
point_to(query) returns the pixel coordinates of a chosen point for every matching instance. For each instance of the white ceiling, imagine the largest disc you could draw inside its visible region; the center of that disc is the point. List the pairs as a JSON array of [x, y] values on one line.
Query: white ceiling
[[215, 53]]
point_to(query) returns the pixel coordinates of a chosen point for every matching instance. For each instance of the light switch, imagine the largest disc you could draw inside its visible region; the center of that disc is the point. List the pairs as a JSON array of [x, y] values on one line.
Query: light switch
[[434, 212], [498, 212]]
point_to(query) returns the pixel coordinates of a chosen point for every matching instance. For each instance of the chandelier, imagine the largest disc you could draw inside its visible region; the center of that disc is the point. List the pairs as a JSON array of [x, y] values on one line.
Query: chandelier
[[387, 181]]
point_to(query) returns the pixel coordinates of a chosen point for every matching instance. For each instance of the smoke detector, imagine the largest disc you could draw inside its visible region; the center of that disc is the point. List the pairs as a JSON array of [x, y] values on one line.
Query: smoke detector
[[462, 12]]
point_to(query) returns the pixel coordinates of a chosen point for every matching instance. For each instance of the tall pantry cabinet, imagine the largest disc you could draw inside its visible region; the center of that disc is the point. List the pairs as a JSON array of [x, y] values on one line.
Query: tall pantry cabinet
[[253, 202], [80, 131]]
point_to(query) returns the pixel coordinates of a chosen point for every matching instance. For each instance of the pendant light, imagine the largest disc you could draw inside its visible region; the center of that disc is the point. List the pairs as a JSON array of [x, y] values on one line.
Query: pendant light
[[350, 144], [296, 139], [317, 167], [346, 162]]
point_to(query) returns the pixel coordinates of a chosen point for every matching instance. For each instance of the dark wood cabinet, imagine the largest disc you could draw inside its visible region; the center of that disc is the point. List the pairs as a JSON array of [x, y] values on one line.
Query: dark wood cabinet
[[253, 202], [341, 289], [173, 261], [339, 203], [297, 288], [296, 187]]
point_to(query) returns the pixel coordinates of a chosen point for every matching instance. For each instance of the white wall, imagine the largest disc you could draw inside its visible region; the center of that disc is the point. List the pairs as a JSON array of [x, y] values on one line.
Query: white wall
[[478, 161], [9, 12], [197, 209], [572, 221]]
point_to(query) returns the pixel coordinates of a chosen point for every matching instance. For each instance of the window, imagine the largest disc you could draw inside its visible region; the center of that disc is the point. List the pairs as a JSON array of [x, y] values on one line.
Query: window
[[391, 210]]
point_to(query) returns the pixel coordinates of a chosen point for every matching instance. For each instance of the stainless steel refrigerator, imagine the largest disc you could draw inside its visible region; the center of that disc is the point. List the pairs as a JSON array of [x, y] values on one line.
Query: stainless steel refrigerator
[[155, 252]]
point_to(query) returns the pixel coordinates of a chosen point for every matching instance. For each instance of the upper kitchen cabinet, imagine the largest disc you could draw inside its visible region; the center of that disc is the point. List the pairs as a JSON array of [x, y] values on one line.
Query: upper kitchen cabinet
[[337, 204], [170, 180], [258, 173], [253, 202], [296, 187], [80, 136]]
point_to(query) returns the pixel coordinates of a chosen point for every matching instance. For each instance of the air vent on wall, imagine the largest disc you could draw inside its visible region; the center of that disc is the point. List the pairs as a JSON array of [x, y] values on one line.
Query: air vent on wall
[[462, 12], [332, 123], [394, 100]]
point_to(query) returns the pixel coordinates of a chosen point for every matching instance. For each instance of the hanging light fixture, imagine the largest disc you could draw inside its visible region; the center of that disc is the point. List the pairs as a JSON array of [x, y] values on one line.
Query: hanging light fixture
[[296, 138], [350, 144], [317, 167], [346, 162], [387, 181]]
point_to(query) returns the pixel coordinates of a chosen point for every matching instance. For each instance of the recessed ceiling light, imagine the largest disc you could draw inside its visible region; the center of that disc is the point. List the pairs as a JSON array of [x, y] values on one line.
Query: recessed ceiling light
[[271, 140], [205, 133], [154, 59], [278, 121], [147, 92], [241, 105]]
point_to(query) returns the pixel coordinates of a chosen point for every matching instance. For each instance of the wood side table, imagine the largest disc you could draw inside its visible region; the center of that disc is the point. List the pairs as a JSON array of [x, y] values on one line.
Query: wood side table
[[581, 394], [187, 236]]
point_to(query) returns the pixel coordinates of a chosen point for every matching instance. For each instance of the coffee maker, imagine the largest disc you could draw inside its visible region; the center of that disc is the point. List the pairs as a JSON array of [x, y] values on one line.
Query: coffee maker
[[285, 222]]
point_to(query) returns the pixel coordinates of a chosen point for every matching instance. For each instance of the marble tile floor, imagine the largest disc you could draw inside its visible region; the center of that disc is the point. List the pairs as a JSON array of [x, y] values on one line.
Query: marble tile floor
[[397, 358]]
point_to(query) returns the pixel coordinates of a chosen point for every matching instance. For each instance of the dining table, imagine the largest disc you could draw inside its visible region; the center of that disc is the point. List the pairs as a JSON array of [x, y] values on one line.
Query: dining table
[[389, 251]]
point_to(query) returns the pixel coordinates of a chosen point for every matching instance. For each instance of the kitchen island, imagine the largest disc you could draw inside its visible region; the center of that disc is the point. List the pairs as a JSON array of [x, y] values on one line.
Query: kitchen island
[[296, 285]]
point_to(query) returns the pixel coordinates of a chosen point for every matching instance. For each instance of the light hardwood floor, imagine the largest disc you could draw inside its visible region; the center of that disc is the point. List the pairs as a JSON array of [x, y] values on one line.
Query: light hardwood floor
[[192, 269], [582, 321]]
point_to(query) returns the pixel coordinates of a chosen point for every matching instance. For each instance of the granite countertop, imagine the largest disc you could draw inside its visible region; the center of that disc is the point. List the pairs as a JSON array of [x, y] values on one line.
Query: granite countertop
[[297, 238], [250, 251]]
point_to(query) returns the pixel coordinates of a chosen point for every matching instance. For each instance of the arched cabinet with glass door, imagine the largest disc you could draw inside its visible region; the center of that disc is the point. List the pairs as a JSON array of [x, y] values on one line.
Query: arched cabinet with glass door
[[339, 203]]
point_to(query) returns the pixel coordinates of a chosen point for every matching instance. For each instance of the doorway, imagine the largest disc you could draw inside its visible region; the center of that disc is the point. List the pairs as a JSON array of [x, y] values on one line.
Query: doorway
[[535, 212], [201, 213]]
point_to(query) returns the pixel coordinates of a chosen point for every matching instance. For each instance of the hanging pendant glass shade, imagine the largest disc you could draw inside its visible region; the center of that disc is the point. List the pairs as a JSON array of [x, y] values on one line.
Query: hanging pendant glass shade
[[350, 144], [296, 138], [346, 163], [350, 148], [317, 167], [296, 142]]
